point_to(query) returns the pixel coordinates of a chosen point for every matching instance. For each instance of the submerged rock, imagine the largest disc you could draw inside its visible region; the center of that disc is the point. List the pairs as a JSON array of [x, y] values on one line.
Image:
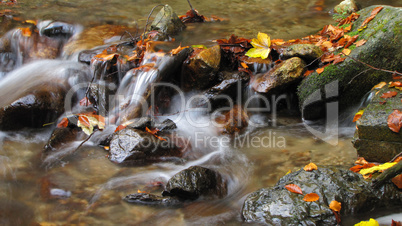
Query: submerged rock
[[346, 7], [154, 200], [135, 147], [199, 71], [196, 181], [373, 139], [347, 82], [280, 77], [278, 206], [167, 22]]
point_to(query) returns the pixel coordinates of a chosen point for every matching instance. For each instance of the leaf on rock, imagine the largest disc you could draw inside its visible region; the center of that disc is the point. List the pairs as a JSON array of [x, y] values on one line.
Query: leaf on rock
[[261, 46], [357, 168], [311, 197], [335, 206], [361, 161], [85, 102], [320, 70], [395, 121], [178, 49], [346, 51], [88, 121], [120, 127], [375, 11], [310, 167], [397, 181], [389, 94], [294, 188], [26, 31], [379, 85], [360, 42], [371, 222], [358, 115], [63, 123], [377, 168], [154, 132]]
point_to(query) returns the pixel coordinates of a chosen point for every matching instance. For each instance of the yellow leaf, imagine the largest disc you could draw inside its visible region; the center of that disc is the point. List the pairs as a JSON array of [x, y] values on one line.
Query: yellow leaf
[[371, 222], [288, 172], [377, 168], [358, 115], [310, 167], [346, 51], [379, 85], [88, 122], [261, 46]]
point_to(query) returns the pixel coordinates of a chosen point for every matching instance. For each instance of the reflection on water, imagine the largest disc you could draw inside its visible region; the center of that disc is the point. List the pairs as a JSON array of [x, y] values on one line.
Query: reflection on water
[[85, 187]]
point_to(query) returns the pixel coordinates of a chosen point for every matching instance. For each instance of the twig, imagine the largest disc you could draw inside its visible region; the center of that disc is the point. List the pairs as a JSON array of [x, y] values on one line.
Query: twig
[[83, 142], [192, 9], [146, 24], [396, 156], [314, 60], [372, 67], [357, 76]]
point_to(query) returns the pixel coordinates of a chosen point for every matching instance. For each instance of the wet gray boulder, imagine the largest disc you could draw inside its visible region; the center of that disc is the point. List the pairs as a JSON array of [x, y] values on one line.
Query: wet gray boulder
[[352, 79], [280, 77], [194, 182], [167, 22], [307, 52], [278, 206], [152, 200], [373, 139], [135, 147]]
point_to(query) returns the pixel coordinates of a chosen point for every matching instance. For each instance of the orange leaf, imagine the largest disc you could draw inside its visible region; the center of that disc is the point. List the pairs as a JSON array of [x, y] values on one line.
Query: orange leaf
[[294, 188], [360, 42], [389, 94], [398, 159], [120, 127], [311, 197], [244, 65], [85, 102], [395, 121], [375, 11], [335, 206], [153, 132], [346, 51], [396, 223], [361, 161], [177, 50], [397, 181], [63, 123], [357, 168], [320, 70], [395, 84], [310, 167], [26, 31], [84, 120]]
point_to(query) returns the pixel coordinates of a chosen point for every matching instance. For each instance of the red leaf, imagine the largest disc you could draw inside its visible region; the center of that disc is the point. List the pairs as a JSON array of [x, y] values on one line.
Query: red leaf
[[120, 127], [84, 120], [375, 11], [395, 121], [63, 123], [294, 188], [85, 102], [396, 223], [311, 197], [395, 84], [389, 94]]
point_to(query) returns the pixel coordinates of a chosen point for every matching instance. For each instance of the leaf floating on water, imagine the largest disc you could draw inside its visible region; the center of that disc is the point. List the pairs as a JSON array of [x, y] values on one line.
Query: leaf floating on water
[[310, 167], [335, 206], [371, 222], [261, 46], [294, 188], [395, 121], [375, 11], [377, 168], [311, 197], [389, 94], [358, 115]]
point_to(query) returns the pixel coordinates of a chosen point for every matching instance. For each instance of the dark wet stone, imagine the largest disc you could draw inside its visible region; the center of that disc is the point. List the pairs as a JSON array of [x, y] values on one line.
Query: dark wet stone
[[340, 82], [33, 110], [135, 147], [280, 77], [307, 52], [166, 126], [59, 137], [153, 200], [86, 56], [100, 95], [373, 139], [57, 29], [167, 22], [194, 182], [141, 123], [199, 71], [278, 206]]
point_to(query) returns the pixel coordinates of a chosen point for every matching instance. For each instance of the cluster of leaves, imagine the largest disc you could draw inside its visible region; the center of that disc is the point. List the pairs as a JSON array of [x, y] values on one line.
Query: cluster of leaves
[[192, 16], [86, 121], [335, 206], [369, 169]]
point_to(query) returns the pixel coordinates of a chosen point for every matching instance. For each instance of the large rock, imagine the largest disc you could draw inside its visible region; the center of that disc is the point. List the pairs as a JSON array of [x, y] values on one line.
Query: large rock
[[308, 52], [373, 139], [282, 76], [278, 206], [135, 147], [199, 71], [167, 22], [348, 81], [196, 181]]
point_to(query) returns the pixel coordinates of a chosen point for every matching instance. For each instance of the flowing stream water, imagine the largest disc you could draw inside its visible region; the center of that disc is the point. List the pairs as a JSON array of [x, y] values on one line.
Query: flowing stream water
[[86, 188]]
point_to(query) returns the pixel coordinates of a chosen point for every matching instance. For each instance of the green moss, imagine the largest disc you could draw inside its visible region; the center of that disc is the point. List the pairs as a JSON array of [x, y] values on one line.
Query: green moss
[[352, 47], [397, 29], [353, 33]]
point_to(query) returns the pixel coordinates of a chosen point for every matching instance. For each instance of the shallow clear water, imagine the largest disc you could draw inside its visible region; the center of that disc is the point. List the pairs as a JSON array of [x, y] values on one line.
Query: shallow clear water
[[93, 186]]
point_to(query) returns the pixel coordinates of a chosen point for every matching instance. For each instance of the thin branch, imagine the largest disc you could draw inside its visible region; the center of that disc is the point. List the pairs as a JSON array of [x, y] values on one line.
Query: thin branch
[[396, 156], [192, 9], [372, 67], [362, 72], [83, 142], [146, 24]]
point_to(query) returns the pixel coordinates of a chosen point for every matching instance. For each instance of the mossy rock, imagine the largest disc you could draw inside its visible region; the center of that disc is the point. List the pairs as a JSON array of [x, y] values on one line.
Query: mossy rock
[[373, 139], [383, 49]]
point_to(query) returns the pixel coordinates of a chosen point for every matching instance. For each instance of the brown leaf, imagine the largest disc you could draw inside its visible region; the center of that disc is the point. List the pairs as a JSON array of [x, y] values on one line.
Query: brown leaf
[[63, 123], [335, 206], [389, 94], [375, 11], [154, 132], [361, 161], [311, 197], [395, 84], [395, 121], [396, 223], [310, 167], [178, 49], [294, 188], [360, 42], [397, 181], [85, 102]]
